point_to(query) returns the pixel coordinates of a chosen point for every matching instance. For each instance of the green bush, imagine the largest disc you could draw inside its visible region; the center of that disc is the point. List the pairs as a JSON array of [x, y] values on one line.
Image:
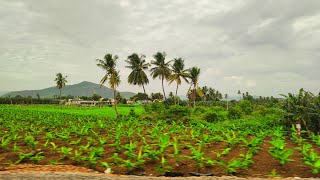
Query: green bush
[[246, 106], [217, 108], [176, 113], [211, 116], [158, 107], [260, 110], [235, 112], [199, 110]]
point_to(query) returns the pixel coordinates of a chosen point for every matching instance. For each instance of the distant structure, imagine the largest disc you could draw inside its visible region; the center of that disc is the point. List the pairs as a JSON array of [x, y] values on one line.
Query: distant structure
[[101, 102], [81, 102]]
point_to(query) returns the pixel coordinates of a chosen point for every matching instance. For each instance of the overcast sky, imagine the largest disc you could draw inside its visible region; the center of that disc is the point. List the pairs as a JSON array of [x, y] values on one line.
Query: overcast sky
[[264, 47]]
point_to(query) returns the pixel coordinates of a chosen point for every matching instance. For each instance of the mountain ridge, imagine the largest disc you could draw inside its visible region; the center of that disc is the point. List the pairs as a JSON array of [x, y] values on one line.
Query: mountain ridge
[[84, 88]]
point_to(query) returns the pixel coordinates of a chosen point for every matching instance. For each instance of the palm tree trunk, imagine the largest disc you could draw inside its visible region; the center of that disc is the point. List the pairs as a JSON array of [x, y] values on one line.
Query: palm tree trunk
[[194, 96], [164, 94], [60, 93], [115, 101], [175, 100], [145, 94], [227, 105]]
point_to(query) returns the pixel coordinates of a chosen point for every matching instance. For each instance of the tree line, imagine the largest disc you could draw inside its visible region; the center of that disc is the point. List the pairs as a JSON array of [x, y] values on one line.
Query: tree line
[[172, 71]]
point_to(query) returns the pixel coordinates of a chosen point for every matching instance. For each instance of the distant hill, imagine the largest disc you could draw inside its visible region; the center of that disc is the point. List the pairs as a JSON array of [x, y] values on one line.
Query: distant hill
[[84, 88], [3, 92]]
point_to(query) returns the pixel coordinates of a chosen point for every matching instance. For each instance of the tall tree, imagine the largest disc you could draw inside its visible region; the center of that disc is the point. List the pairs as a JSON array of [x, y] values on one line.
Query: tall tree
[[226, 97], [61, 81], [194, 74], [205, 91], [161, 68], [108, 64], [138, 65], [178, 73], [239, 92]]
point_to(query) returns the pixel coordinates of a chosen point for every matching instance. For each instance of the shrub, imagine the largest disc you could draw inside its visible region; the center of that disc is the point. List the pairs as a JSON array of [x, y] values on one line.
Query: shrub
[[176, 113], [199, 110], [217, 108], [246, 106], [211, 116], [235, 112], [158, 107]]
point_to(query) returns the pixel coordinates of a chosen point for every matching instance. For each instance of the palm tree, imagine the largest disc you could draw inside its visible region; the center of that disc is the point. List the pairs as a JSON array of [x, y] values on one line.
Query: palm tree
[[161, 69], [61, 81], [178, 73], [226, 97], [112, 75], [205, 91], [239, 92], [194, 74], [138, 66]]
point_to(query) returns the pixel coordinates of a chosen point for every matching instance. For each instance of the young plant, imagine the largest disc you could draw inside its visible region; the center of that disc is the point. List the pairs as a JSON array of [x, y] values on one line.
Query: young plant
[[163, 167], [230, 139], [65, 151], [274, 174], [30, 140], [103, 141], [54, 146], [76, 142], [176, 154], [77, 156], [224, 152], [198, 156], [5, 142], [279, 152], [37, 157]]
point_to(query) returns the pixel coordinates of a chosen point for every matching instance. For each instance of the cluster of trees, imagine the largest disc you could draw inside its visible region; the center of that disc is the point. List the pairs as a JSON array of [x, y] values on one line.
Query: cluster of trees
[[171, 71], [27, 100], [303, 108]]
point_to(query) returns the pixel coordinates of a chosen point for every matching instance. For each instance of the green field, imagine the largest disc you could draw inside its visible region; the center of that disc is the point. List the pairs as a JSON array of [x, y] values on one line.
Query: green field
[[101, 112], [156, 142]]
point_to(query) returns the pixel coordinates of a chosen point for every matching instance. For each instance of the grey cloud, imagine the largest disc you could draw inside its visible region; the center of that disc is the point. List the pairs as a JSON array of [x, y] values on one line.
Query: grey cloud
[[264, 47]]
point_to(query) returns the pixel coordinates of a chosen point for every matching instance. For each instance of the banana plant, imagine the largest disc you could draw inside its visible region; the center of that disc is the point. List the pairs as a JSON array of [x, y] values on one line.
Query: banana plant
[[54, 146], [103, 140], [85, 147], [76, 142], [197, 156], [310, 158], [5, 141], [176, 154], [77, 156], [30, 140], [315, 139], [163, 167], [230, 138], [35, 158], [224, 152], [279, 152], [65, 152]]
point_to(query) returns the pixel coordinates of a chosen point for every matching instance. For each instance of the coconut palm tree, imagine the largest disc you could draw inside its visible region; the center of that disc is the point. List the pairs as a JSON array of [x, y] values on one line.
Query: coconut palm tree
[[194, 74], [205, 91], [178, 73], [226, 97], [61, 81], [161, 68], [239, 92], [138, 65], [112, 75]]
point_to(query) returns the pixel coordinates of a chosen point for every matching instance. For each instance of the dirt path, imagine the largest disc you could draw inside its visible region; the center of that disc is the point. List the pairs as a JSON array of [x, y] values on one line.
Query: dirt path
[[54, 172], [91, 176]]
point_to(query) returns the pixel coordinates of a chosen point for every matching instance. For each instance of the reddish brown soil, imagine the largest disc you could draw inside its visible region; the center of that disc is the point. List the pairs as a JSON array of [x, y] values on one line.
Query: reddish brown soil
[[262, 166]]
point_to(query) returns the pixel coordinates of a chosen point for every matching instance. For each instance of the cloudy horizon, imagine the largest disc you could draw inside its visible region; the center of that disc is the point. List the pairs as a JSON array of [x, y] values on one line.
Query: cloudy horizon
[[263, 47]]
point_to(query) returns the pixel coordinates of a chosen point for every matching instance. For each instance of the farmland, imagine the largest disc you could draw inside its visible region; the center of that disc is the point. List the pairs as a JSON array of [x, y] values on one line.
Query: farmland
[[151, 141]]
